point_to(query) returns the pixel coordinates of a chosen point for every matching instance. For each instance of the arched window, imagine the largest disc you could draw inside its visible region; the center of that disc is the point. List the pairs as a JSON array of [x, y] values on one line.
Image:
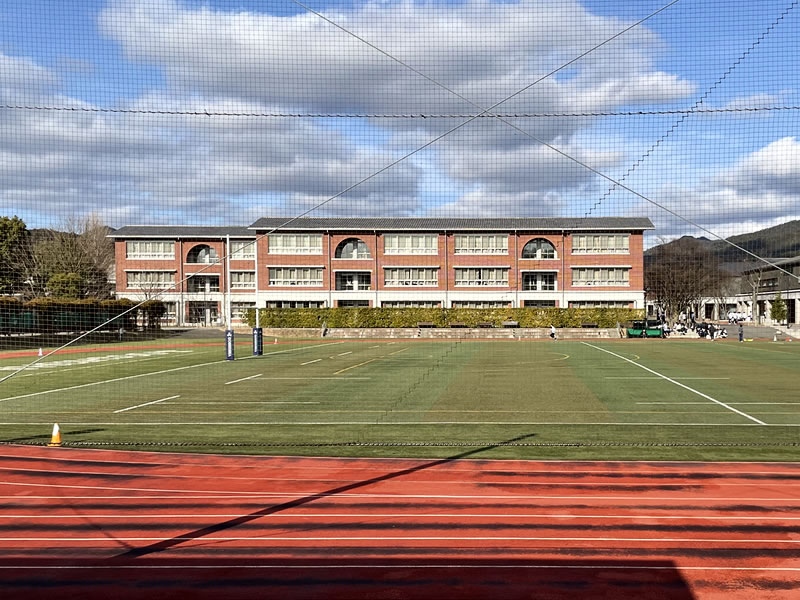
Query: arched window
[[539, 248], [202, 254], [352, 248]]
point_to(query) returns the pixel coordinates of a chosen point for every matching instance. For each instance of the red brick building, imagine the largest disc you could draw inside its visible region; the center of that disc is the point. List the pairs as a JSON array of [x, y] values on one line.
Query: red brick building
[[397, 262]]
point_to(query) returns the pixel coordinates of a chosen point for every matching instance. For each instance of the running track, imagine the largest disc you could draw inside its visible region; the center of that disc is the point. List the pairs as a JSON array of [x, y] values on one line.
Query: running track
[[88, 524]]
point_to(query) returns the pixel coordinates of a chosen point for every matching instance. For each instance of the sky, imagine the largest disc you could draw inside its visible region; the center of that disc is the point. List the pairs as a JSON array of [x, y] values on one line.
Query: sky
[[224, 111]]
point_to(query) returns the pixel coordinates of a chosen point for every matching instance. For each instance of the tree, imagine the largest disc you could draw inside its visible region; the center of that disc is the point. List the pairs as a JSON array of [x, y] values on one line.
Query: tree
[[80, 254], [14, 244], [679, 274], [778, 311]]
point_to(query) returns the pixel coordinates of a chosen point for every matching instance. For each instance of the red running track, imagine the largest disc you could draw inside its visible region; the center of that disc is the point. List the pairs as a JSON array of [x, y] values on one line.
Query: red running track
[[107, 524]]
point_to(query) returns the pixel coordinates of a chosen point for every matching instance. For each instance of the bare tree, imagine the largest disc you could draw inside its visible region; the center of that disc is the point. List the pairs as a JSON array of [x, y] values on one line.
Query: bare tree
[[678, 274], [78, 251]]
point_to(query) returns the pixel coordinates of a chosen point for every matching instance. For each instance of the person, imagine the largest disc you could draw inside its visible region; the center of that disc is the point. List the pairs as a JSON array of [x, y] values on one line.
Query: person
[[553, 332], [741, 332], [324, 328], [692, 319]]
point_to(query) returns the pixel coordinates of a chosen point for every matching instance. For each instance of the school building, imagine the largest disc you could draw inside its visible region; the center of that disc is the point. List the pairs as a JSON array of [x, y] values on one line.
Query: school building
[[204, 274]]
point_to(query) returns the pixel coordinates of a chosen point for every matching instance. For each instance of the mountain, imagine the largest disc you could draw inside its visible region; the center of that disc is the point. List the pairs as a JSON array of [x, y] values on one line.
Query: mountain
[[781, 241]]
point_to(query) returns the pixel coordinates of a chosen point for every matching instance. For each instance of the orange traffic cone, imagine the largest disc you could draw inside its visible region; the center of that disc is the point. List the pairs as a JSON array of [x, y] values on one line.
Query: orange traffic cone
[[55, 439]]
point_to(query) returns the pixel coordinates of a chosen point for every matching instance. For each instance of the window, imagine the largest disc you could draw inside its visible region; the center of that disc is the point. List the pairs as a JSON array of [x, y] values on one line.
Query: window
[[412, 243], [410, 304], [539, 304], [151, 280], [202, 283], [539, 248], [535, 281], [304, 276], [353, 303], [602, 243], [295, 243], [238, 308], [243, 249], [352, 248], [480, 304], [150, 249], [411, 276], [296, 304], [353, 281], [243, 279], [202, 254], [600, 276], [474, 277], [481, 244], [601, 304]]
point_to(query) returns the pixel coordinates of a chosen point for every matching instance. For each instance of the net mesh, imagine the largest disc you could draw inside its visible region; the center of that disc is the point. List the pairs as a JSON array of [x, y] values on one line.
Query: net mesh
[[404, 198]]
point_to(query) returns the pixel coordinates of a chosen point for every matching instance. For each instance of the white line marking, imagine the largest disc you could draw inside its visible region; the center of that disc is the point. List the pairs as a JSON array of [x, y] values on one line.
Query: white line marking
[[374, 346], [216, 362], [145, 404], [676, 378], [686, 387], [397, 352], [243, 402], [415, 423], [399, 538], [310, 362], [323, 515], [243, 379], [345, 353], [408, 566]]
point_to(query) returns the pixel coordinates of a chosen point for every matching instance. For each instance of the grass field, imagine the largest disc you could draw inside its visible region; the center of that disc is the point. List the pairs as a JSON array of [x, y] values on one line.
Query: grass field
[[638, 399]]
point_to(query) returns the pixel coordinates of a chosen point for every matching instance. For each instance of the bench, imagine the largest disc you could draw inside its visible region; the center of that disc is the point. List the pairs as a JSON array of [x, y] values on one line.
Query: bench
[[588, 325], [457, 325], [426, 325], [510, 324], [485, 325]]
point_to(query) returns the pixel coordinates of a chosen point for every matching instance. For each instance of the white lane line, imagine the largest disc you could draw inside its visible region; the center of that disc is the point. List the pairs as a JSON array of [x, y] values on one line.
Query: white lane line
[[374, 346], [397, 352], [324, 515], [345, 353], [216, 362], [218, 494], [400, 538], [243, 402], [679, 384], [349, 565], [310, 362], [243, 379], [146, 404]]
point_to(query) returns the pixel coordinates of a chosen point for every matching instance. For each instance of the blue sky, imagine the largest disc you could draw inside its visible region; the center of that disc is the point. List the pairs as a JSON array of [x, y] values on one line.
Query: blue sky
[[727, 171]]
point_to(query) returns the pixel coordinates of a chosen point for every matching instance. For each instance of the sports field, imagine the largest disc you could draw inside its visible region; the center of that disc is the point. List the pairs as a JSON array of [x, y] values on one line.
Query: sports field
[[609, 399]]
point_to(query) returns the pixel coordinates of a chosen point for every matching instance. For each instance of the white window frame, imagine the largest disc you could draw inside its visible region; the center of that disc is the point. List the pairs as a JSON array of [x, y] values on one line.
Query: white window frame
[[150, 285], [538, 277], [294, 243], [481, 243], [601, 276], [411, 243], [243, 249], [150, 249], [481, 276], [601, 243], [411, 276], [539, 250], [480, 304], [251, 284], [285, 276]]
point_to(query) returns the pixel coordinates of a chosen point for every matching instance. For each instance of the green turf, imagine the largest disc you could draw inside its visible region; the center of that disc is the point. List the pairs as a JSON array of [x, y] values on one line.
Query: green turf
[[531, 399]]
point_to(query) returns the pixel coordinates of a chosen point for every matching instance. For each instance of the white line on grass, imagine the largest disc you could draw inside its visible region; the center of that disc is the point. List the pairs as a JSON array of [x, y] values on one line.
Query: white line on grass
[[310, 362], [242, 402], [686, 387], [215, 362], [243, 379], [345, 353], [676, 378], [145, 404]]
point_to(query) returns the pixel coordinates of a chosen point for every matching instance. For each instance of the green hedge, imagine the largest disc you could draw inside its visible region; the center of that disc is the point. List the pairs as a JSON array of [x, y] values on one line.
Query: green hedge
[[440, 317]]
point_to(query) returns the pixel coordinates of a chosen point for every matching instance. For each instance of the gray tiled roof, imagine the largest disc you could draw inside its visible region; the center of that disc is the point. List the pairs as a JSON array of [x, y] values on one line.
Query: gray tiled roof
[[180, 231], [445, 224]]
